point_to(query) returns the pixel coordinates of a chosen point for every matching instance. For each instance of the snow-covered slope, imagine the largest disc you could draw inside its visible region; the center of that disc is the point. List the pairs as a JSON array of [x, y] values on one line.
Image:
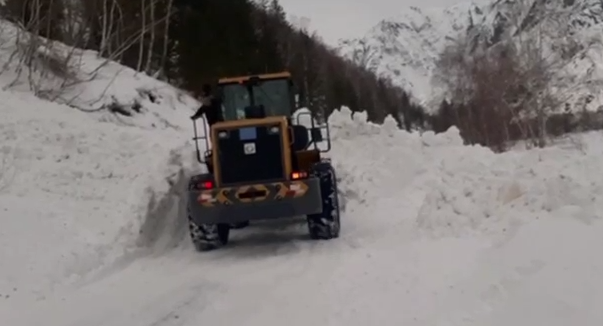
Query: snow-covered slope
[[75, 191], [434, 233], [78, 175], [405, 48]]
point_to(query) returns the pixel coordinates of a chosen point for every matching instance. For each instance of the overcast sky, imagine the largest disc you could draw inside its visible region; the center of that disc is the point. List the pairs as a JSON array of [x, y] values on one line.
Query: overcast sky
[[335, 19]]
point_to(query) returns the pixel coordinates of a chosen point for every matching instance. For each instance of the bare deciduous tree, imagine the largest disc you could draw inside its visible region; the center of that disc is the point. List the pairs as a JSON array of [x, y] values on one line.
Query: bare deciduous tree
[[515, 81], [363, 54]]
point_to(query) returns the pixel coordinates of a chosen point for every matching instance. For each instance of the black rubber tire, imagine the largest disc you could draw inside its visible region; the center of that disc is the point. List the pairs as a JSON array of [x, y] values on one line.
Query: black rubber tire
[[208, 237], [327, 224]]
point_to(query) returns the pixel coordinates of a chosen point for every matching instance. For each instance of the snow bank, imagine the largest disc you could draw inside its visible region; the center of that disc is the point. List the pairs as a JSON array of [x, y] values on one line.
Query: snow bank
[[89, 165], [75, 191], [533, 219], [466, 189], [471, 189]]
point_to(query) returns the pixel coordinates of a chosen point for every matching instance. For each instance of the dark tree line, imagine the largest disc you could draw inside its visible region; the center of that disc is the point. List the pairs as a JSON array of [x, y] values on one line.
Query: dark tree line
[[494, 98], [191, 42]]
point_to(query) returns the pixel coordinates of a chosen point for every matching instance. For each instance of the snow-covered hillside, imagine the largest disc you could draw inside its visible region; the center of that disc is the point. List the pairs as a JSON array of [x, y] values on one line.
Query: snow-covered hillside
[[405, 47], [79, 176], [92, 228]]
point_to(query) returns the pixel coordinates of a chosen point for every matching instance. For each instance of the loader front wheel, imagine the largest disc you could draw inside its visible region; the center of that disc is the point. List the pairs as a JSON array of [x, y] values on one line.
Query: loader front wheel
[[326, 224], [206, 237]]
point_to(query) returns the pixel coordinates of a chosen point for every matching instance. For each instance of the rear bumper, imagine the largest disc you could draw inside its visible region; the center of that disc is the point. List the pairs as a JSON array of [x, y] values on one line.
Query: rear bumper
[[278, 200]]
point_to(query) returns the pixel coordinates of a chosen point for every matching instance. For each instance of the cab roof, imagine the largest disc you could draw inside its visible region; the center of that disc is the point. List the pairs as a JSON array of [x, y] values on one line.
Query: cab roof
[[242, 79]]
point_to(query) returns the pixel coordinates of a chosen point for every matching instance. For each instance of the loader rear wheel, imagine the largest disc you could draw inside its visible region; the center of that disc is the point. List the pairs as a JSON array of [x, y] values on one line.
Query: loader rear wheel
[[326, 224], [207, 237]]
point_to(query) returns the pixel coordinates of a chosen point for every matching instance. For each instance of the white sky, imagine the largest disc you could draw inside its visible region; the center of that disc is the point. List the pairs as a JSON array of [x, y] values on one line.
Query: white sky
[[335, 19]]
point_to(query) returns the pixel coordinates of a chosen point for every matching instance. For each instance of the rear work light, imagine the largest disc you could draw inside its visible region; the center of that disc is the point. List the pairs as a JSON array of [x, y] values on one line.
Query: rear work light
[[299, 175], [206, 185]]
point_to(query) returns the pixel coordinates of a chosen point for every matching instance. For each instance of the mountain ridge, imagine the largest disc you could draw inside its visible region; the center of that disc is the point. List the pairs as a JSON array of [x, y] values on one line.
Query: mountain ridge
[[406, 48]]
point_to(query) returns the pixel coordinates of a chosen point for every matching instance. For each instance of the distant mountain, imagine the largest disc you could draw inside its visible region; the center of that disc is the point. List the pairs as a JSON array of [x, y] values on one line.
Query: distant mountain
[[406, 47]]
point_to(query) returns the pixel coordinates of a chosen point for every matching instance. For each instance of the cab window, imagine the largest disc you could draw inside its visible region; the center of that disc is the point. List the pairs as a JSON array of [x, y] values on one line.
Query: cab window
[[272, 94], [235, 98]]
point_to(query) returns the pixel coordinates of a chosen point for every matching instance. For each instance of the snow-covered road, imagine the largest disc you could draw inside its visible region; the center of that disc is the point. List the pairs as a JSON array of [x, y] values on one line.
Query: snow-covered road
[[92, 230]]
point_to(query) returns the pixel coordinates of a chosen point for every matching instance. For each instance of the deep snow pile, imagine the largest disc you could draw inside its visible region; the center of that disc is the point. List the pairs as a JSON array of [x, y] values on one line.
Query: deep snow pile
[[75, 191], [534, 217], [466, 190], [79, 176]]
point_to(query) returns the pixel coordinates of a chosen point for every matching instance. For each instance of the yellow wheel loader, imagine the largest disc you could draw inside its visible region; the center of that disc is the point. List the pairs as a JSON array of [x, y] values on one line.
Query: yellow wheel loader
[[262, 164]]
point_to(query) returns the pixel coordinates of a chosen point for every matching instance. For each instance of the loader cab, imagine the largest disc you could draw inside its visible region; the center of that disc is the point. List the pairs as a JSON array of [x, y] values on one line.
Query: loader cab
[[259, 132], [250, 97]]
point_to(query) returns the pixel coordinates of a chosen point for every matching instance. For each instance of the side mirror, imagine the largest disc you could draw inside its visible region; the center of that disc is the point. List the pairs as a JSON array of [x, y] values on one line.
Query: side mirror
[[316, 134]]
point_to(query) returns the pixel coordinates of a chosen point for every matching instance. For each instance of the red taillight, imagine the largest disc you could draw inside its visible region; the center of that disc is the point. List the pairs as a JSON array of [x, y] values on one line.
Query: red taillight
[[299, 175], [207, 185]]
